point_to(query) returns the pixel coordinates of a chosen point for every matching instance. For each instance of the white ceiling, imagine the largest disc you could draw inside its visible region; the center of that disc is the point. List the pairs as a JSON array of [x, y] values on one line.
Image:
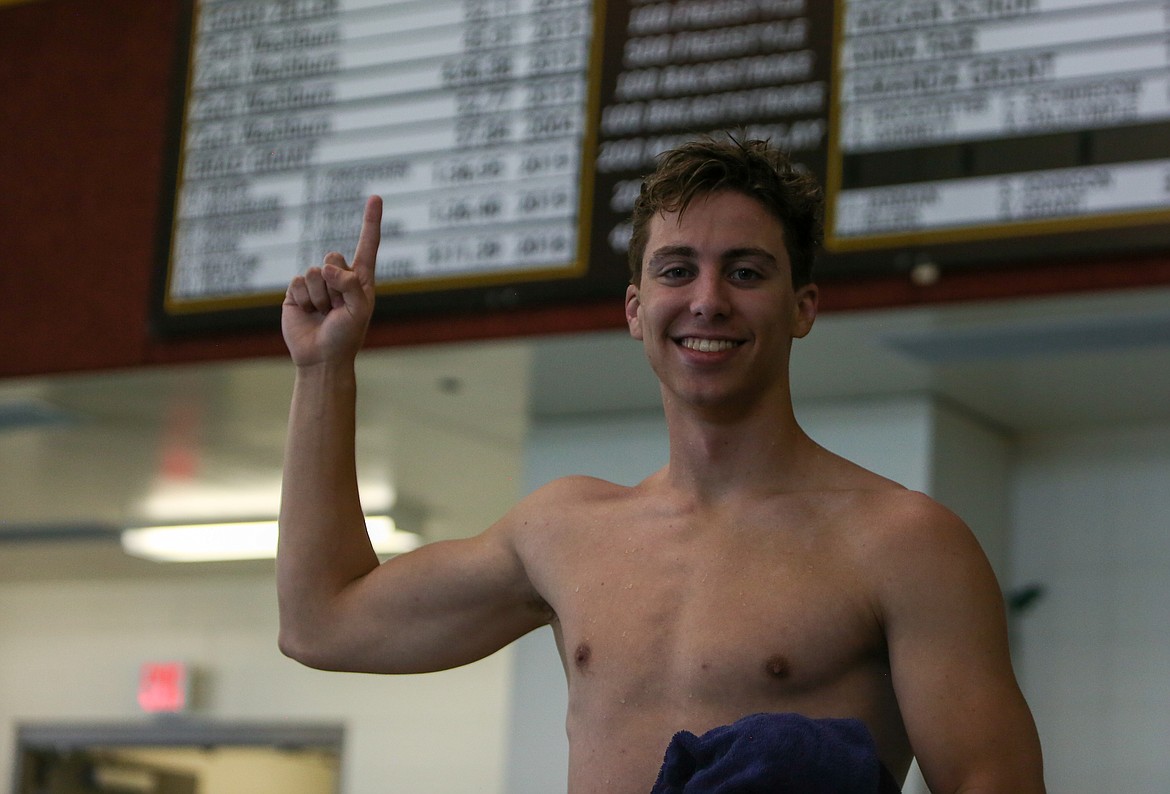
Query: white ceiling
[[441, 428]]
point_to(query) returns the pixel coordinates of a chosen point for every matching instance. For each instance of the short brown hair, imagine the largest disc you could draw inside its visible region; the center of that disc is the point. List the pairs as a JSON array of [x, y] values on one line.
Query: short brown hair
[[751, 167]]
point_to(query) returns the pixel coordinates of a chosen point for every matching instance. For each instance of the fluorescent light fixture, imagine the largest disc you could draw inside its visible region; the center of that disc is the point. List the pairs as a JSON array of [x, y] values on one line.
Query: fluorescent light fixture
[[242, 540], [199, 502]]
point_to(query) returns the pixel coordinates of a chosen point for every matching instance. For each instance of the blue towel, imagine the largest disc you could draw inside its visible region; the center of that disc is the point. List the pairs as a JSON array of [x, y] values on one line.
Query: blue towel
[[776, 754]]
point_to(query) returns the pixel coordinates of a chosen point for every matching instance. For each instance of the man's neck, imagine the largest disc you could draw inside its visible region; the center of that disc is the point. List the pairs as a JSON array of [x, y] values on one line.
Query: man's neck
[[716, 454]]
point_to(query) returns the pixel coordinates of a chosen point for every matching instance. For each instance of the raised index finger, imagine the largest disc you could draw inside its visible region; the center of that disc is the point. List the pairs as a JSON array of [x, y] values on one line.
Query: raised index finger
[[366, 254]]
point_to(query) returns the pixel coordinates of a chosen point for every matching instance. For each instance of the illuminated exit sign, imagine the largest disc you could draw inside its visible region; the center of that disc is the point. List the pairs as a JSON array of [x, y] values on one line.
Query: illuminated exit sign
[[164, 687]]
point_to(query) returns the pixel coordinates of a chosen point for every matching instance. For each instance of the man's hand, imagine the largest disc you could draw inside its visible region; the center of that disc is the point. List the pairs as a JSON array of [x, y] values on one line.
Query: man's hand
[[327, 310]]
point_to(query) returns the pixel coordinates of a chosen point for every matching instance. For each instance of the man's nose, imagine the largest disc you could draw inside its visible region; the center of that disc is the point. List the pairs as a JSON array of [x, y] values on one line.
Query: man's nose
[[710, 297]]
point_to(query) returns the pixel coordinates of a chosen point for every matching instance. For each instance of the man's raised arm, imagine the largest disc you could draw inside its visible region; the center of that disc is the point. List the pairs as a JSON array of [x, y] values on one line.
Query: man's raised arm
[[447, 603]]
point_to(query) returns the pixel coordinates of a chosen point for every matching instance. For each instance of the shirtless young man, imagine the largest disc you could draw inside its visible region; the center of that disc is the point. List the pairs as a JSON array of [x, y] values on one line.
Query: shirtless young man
[[756, 572]]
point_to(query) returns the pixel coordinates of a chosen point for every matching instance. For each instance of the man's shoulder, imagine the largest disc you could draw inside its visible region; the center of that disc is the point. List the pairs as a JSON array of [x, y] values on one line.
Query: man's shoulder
[[883, 503], [900, 515], [902, 504], [563, 520], [576, 489], [574, 497], [901, 531]]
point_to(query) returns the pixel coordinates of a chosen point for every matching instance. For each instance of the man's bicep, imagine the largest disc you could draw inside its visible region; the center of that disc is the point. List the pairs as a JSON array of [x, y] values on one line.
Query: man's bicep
[[967, 721], [443, 605]]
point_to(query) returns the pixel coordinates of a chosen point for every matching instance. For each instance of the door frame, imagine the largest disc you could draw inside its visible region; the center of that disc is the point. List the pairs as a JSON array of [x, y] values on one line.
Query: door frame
[[174, 731]]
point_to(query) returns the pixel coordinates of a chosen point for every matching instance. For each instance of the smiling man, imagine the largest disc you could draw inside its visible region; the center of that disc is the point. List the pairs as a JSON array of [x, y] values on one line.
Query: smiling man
[[758, 615]]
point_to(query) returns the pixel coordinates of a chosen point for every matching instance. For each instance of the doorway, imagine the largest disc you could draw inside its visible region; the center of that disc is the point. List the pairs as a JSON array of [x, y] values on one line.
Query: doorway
[[177, 756]]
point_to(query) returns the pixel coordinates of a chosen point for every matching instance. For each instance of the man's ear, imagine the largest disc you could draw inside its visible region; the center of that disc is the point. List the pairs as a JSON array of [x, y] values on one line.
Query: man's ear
[[804, 311], [632, 305]]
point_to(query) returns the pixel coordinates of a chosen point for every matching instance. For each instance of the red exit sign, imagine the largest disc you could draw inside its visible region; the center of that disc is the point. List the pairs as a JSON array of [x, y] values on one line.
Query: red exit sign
[[164, 687]]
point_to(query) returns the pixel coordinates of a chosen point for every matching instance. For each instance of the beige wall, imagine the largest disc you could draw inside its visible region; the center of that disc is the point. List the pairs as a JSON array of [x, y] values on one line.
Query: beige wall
[[1092, 527], [70, 651]]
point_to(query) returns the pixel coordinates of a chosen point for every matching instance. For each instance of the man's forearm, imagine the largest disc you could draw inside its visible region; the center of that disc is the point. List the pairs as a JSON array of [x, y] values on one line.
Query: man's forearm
[[323, 543]]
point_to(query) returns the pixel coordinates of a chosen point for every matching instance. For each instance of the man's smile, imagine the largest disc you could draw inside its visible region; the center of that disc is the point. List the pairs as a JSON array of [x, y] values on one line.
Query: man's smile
[[708, 345]]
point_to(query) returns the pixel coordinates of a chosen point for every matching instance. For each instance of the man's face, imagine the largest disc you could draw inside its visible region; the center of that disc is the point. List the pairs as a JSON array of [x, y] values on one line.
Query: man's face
[[715, 307]]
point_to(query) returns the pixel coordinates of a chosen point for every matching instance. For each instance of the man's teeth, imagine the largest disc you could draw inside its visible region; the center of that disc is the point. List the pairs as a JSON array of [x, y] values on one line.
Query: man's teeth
[[708, 345]]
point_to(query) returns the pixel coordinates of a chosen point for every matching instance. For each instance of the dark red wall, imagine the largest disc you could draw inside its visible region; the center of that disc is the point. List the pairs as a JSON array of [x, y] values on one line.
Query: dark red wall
[[82, 140]]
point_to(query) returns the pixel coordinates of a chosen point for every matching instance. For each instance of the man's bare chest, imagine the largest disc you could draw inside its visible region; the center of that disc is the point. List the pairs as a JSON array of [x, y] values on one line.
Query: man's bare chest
[[659, 614]]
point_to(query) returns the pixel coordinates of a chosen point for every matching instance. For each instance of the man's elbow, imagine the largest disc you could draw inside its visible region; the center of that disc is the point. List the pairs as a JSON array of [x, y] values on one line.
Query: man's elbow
[[301, 647], [1020, 778]]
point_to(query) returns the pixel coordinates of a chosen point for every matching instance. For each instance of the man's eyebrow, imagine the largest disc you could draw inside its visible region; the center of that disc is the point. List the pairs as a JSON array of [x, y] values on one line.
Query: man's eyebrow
[[749, 252], [672, 252], [669, 253]]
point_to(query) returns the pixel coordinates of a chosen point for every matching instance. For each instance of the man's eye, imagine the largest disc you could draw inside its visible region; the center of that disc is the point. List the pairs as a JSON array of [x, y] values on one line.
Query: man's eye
[[676, 272], [744, 274]]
